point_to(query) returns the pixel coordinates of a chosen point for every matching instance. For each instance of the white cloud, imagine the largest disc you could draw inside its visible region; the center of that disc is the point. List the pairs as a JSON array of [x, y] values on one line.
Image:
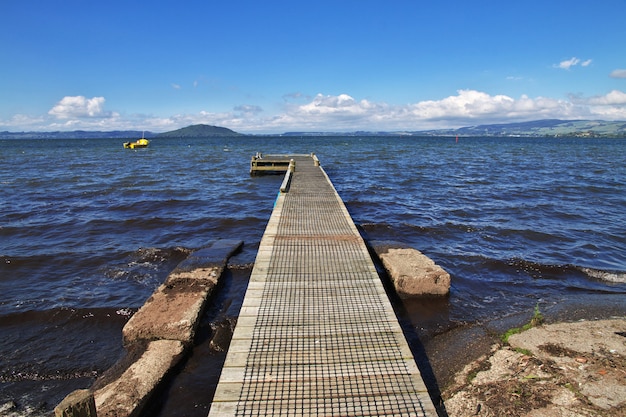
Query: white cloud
[[79, 107], [467, 107], [24, 122], [467, 104], [176, 86], [614, 98], [567, 64], [343, 112], [340, 105], [337, 113], [572, 62], [618, 73]]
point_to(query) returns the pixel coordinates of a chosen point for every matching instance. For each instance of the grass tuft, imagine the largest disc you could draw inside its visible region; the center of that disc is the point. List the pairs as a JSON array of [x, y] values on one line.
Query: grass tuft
[[535, 320]]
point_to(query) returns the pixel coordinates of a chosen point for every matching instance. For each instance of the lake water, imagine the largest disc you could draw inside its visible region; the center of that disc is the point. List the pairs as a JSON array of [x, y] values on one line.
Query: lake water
[[88, 230]]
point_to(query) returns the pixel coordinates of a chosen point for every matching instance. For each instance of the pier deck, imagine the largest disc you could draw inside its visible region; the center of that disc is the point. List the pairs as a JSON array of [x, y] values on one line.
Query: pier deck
[[317, 335]]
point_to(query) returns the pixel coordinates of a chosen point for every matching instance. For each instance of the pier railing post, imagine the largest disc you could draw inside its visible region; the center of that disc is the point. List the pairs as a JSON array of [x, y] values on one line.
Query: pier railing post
[[292, 168]]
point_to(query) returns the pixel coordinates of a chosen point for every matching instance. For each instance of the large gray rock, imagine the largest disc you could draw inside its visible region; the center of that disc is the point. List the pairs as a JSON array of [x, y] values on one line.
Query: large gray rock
[[173, 311], [127, 395], [411, 272]]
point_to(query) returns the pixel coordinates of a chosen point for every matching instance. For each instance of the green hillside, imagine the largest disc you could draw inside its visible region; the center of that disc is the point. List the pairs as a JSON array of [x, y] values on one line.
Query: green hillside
[[543, 128]]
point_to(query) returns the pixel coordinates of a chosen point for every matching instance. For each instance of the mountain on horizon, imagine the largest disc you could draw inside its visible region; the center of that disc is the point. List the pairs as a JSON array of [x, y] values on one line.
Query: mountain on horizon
[[535, 128], [199, 131], [542, 128]]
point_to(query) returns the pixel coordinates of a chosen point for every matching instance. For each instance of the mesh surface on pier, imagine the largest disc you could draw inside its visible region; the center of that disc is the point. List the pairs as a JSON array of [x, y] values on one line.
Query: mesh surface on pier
[[317, 335]]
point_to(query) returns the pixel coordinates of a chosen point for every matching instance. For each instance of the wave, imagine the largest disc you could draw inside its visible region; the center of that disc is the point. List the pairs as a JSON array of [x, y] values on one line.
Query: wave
[[85, 280], [562, 271], [608, 276], [475, 247]]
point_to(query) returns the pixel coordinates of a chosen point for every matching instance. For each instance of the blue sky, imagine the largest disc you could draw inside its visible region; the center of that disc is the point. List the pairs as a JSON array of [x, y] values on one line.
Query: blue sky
[[276, 66]]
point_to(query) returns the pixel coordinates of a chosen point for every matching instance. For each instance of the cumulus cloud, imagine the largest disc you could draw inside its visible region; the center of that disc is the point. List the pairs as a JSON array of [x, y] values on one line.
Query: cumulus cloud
[[618, 73], [340, 112], [25, 122], [572, 62], [614, 98], [71, 107], [342, 104], [467, 106]]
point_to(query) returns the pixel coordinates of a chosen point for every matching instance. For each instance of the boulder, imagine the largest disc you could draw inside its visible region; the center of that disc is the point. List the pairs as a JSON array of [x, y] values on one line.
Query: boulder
[[411, 272]]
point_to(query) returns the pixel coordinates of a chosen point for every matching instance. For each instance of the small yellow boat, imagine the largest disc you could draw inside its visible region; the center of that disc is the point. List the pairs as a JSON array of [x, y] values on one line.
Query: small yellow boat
[[139, 143]]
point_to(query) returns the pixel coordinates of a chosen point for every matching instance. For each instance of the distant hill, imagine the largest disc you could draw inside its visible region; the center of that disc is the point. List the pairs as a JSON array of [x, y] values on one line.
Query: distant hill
[[541, 128], [536, 128], [194, 131], [199, 131]]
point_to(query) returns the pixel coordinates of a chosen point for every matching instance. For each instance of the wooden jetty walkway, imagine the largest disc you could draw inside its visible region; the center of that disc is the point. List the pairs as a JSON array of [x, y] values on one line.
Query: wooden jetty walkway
[[317, 335]]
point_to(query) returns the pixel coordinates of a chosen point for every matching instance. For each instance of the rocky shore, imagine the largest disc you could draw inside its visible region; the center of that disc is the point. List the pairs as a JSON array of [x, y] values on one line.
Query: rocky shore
[[556, 370]]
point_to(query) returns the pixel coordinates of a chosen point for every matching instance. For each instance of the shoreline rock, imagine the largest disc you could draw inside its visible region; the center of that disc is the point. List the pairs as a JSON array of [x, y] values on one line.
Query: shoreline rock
[[554, 370], [411, 272], [157, 337]]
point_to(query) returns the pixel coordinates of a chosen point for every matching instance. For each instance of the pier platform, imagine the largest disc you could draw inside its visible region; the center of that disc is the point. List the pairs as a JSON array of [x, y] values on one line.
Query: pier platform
[[317, 335]]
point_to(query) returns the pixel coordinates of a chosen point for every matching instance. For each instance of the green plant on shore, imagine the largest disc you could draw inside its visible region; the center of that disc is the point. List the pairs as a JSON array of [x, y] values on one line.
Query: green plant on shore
[[535, 320], [523, 351]]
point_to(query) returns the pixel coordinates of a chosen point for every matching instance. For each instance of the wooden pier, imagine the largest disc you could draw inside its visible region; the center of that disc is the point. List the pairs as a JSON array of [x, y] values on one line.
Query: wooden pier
[[316, 335]]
